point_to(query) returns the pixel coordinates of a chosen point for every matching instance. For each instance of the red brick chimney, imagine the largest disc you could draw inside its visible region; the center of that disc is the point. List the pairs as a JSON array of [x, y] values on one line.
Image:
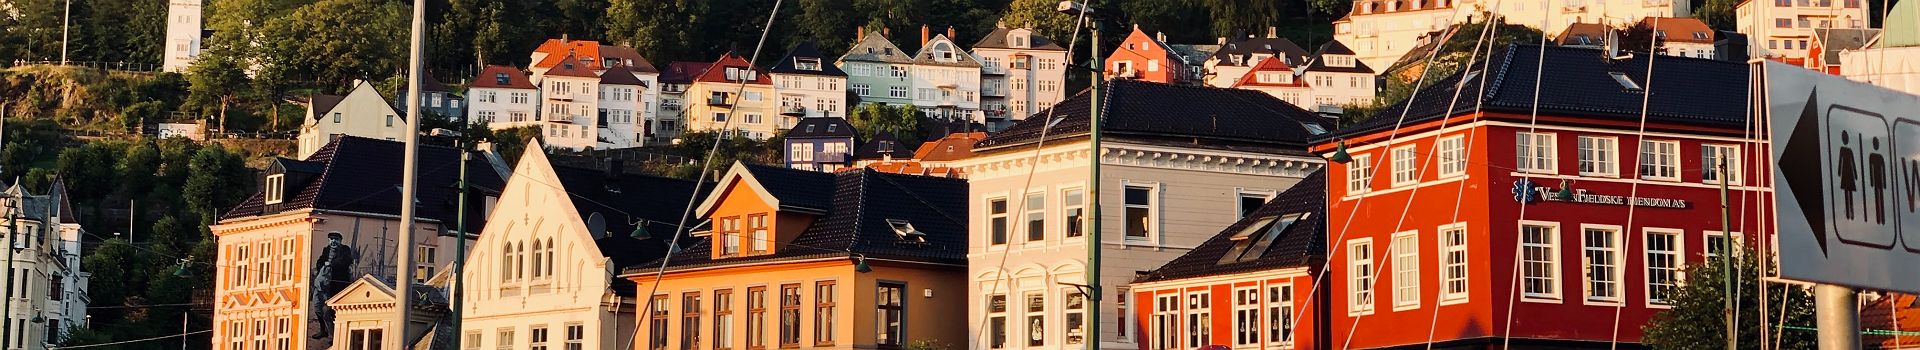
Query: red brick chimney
[[951, 36], [859, 33], [924, 35]]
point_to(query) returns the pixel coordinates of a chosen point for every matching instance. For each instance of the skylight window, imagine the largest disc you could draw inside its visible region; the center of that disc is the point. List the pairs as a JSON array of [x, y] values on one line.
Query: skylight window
[[807, 63], [1250, 243], [904, 229], [1314, 128], [1469, 76], [1625, 82]]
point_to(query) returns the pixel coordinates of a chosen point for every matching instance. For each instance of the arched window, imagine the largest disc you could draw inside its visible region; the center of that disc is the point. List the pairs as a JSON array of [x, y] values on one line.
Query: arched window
[[538, 250], [519, 260], [550, 259], [506, 262]]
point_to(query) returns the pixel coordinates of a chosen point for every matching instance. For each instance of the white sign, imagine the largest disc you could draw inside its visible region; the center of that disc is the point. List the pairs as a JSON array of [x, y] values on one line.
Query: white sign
[[1847, 179]]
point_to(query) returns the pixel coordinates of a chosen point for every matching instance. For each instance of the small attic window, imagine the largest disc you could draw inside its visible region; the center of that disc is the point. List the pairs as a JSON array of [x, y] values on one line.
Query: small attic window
[[809, 128], [904, 229], [886, 146], [1252, 242], [276, 188], [1700, 35], [500, 78], [1314, 128], [830, 127], [1625, 82], [807, 63], [1469, 76]]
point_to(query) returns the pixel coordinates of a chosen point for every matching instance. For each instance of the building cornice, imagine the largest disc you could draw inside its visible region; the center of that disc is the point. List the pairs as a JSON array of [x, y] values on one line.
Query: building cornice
[[1148, 156], [304, 216], [1208, 280]]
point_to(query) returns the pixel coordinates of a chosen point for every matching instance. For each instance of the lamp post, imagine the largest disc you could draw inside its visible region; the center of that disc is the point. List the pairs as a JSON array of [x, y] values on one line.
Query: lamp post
[[13, 230], [460, 229], [1093, 292]]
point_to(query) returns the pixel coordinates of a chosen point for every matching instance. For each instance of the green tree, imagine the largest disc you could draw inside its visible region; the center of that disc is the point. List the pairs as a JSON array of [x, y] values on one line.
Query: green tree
[[1698, 317], [116, 268], [141, 163], [901, 121], [216, 179], [1718, 13], [828, 23], [1042, 16], [88, 172], [215, 82], [658, 29], [337, 41]]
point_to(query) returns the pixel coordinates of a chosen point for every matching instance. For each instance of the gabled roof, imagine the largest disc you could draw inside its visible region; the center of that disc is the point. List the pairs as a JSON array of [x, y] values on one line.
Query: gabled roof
[[1270, 65], [1334, 47], [683, 72], [955, 146], [1241, 248], [1245, 48], [821, 127], [321, 104], [63, 204], [857, 223], [716, 73], [875, 47], [807, 50], [1680, 29], [1190, 116], [998, 40], [871, 149], [640, 64], [621, 75], [787, 189], [620, 195], [363, 175], [1579, 82], [1583, 34], [1832, 41], [490, 77], [558, 49], [961, 57], [569, 67], [1319, 62]]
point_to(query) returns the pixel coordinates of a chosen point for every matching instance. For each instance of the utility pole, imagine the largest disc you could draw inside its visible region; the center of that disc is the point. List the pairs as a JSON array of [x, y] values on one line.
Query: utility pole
[[460, 244], [409, 173], [1095, 293], [13, 230], [1726, 259], [66, 19]]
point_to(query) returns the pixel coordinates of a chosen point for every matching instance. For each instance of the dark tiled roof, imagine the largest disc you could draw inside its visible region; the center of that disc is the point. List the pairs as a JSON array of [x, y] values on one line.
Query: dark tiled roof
[[796, 189], [1583, 34], [621, 75], [807, 49], [998, 40], [620, 198], [640, 64], [363, 175], [821, 127], [960, 55], [1274, 45], [63, 203], [490, 78], [1302, 244], [1689, 91], [321, 104], [1335, 47], [871, 149], [857, 223], [1192, 115], [875, 47], [1319, 63], [683, 72]]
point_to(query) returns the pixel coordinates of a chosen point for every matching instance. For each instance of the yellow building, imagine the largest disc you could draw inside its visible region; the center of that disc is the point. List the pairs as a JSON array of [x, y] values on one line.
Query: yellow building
[[733, 95], [806, 260]]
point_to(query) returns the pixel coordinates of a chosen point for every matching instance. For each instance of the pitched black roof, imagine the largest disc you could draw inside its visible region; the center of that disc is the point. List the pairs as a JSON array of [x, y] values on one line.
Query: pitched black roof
[[797, 189], [1319, 63], [1190, 115], [862, 203], [621, 197], [1275, 45], [998, 40], [1302, 244], [1579, 82], [806, 49], [871, 148], [321, 104], [362, 175], [621, 75], [821, 127]]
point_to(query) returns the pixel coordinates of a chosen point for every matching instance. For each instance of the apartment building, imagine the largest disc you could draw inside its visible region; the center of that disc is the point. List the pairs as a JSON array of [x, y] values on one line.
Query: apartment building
[[1382, 31], [1338, 77], [1782, 30], [1021, 73], [946, 79], [503, 97], [185, 20], [809, 85], [1237, 56], [672, 109], [570, 105], [50, 295], [734, 97], [363, 112], [878, 71], [1148, 58]]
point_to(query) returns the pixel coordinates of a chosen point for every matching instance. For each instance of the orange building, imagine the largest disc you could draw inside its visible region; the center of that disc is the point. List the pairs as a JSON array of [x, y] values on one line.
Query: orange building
[[1145, 57], [1483, 225], [808, 260]]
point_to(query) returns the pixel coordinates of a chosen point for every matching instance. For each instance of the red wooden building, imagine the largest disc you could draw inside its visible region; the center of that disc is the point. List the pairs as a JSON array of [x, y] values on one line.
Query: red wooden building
[[1477, 224], [1145, 57]]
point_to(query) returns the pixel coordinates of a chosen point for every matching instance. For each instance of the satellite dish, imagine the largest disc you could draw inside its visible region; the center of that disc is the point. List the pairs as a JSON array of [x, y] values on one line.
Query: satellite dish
[[597, 225]]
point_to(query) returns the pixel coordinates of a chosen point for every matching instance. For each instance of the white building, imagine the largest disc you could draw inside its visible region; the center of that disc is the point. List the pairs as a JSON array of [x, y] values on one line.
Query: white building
[[1783, 29], [362, 112], [1682, 37], [51, 291], [672, 107], [1274, 77], [946, 80], [1338, 77], [624, 107], [808, 83], [1381, 31], [1893, 59], [570, 103], [184, 35], [503, 97], [1237, 56], [1021, 73]]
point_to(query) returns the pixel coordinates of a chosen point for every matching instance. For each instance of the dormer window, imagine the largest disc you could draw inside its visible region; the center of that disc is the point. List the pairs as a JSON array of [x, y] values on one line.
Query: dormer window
[[733, 73], [944, 52], [905, 231], [807, 63], [886, 146], [1017, 41], [276, 188], [500, 78], [1625, 81], [1252, 242], [830, 127]]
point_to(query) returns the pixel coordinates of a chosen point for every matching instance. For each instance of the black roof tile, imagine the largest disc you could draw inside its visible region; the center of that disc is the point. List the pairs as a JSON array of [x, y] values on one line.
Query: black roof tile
[[1302, 244], [821, 127], [807, 49], [363, 175], [1206, 116]]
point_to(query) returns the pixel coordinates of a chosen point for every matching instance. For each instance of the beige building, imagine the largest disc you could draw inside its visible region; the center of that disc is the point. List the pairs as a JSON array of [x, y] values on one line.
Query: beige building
[[1022, 73], [363, 112], [1381, 31], [542, 276], [364, 313], [279, 262], [800, 259], [1169, 181], [50, 290], [732, 95], [1783, 29]]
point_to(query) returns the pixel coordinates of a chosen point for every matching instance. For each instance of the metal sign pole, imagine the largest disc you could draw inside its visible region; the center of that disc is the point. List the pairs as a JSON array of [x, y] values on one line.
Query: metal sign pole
[[1837, 315]]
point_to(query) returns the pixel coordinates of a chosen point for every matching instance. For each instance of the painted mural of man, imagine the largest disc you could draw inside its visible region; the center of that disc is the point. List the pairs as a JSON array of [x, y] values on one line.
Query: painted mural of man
[[332, 273]]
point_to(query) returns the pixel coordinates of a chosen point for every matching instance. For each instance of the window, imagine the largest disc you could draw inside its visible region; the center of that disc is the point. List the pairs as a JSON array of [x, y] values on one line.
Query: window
[[1199, 319], [1601, 257], [1036, 217], [790, 315], [897, 91], [537, 338], [389, 120], [997, 321], [890, 314], [758, 222], [1597, 156], [1539, 261], [240, 274], [1036, 312], [1663, 265], [1712, 158], [1251, 242], [1139, 206], [729, 236], [1659, 160], [423, 268], [1280, 314], [1716, 243], [1360, 174], [283, 333], [1453, 155], [1246, 317], [576, 336], [1535, 152], [723, 319], [1251, 202], [1121, 295], [1073, 206], [657, 325], [823, 313], [757, 317], [690, 321], [1404, 166], [1406, 270], [1453, 263], [502, 340], [472, 341], [1076, 315], [997, 220], [1360, 276], [276, 184], [1166, 321], [357, 339]]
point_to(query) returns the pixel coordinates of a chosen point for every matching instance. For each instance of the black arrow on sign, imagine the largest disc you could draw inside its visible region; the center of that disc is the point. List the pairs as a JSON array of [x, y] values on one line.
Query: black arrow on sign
[[1801, 165]]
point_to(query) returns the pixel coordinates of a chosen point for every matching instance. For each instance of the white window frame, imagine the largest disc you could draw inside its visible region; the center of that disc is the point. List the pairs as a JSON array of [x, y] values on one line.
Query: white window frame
[[1031, 211], [1405, 165], [1676, 266], [1068, 207], [1246, 317], [1242, 193], [1360, 292], [1452, 151], [1279, 303], [1406, 270], [276, 188], [1650, 155], [1447, 248], [1603, 152], [1166, 322], [1199, 318], [1706, 243], [1552, 278], [1617, 266], [1360, 174], [1531, 149], [1708, 165], [1152, 207], [1006, 215]]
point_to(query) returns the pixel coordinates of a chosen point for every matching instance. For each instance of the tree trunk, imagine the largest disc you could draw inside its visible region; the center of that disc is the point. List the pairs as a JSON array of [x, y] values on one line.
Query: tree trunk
[[223, 116]]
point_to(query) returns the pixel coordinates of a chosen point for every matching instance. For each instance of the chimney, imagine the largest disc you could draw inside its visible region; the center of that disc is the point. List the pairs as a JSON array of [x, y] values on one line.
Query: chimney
[[925, 35], [1222, 41], [1160, 36], [950, 35], [886, 32], [1272, 32], [860, 33], [563, 38]]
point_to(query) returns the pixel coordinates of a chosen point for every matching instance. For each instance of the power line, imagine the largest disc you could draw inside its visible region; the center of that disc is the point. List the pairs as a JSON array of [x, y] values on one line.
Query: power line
[[131, 341]]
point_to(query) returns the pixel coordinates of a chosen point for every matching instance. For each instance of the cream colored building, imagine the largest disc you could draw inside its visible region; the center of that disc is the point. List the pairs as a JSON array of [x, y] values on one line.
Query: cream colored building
[[541, 276], [1381, 31], [1783, 29], [731, 95], [1161, 199], [363, 112], [50, 295], [946, 80], [1022, 73], [364, 313]]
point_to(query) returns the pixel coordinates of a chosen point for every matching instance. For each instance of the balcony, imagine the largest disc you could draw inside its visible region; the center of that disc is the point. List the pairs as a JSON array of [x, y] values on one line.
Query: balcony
[[830, 157], [719, 101], [793, 110]]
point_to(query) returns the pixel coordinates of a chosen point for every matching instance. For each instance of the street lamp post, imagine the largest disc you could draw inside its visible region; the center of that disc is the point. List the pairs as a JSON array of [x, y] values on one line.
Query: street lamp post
[[1093, 292], [66, 18], [13, 230]]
